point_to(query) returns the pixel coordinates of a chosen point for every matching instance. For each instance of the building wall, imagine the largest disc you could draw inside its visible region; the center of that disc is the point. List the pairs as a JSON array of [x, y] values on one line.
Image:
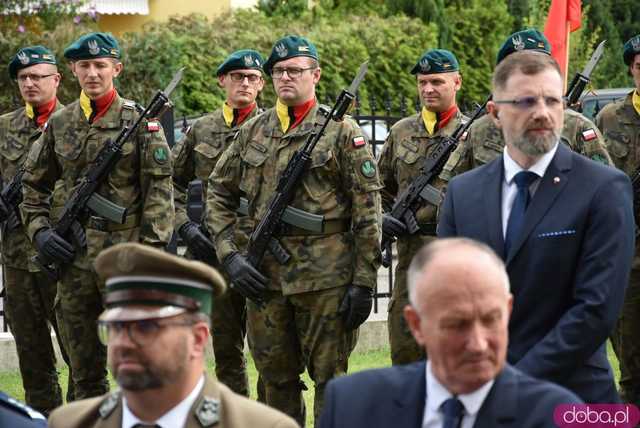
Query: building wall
[[161, 10]]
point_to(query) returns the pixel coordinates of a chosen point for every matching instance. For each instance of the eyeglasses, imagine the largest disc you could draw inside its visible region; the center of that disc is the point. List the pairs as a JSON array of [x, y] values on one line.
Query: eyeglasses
[[140, 332], [239, 77], [293, 72], [35, 78], [526, 103]]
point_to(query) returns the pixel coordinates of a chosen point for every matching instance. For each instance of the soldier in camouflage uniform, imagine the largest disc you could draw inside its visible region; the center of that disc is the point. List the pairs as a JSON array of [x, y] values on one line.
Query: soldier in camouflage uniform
[[29, 294], [316, 300], [410, 141], [620, 124], [484, 141], [140, 182], [194, 158]]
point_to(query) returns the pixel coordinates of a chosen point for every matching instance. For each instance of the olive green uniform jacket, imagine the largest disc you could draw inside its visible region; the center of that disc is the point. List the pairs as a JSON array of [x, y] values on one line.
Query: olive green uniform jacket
[[342, 184], [215, 406], [140, 182]]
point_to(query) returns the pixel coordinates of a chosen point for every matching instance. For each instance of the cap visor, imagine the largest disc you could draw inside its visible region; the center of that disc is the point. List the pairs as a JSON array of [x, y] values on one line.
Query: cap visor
[[136, 313]]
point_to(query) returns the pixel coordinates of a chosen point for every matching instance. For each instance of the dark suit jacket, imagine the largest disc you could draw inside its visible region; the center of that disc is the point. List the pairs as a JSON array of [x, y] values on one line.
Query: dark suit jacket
[[395, 397], [568, 270]]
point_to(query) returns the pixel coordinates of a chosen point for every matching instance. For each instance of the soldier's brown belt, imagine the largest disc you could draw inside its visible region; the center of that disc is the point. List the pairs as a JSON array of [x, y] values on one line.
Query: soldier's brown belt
[[329, 227], [105, 225]]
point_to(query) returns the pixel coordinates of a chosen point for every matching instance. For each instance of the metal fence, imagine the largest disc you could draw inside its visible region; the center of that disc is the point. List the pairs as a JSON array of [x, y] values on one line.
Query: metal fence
[[376, 120]]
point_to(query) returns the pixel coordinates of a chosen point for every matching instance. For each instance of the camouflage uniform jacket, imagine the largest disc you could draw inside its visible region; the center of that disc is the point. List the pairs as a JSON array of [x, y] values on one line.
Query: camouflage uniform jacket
[[341, 183], [17, 135], [195, 156], [140, 182], [620, 124], [405, 150], [484, 142]]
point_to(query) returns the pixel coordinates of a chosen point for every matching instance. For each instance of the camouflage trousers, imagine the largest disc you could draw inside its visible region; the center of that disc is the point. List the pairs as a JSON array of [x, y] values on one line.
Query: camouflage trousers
[[626, 341], [80, 304], [30, 298], [295, 332], [404, 349]]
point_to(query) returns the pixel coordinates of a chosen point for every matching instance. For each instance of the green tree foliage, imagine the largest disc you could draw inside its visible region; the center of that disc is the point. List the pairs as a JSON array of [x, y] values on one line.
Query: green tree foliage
[[480, 27], [430, 11], [519, 10]]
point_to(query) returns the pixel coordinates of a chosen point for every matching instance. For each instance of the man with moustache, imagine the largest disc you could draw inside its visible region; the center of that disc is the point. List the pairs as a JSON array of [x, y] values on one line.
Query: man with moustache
[[562, 223], [140, 183], [410, 142], [314, 301], [156, 326], [459, 311], [620, 124], [30, 296], [240, 75]]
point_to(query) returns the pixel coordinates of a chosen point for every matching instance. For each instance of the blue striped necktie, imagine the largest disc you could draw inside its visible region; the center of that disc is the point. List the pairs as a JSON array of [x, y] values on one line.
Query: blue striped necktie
[[523, 180]]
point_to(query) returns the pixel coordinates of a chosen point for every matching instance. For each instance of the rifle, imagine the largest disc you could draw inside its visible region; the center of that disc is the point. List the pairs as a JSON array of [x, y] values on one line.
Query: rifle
[[11, 194], [581, 80], [263, 236], [420, 191], [635, 184], [84, 198]]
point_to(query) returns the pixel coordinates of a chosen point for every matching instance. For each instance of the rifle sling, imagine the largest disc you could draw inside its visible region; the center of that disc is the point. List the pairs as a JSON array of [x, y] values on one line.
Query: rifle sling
[[105, 225]]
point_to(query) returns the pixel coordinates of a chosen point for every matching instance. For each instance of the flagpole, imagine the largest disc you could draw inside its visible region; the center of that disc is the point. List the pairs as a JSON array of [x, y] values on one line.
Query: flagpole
[[568, 48]]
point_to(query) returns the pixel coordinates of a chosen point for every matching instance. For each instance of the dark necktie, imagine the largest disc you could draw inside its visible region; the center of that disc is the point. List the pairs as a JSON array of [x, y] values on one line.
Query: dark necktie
[[453, 410], [523, 180], [146, 426]]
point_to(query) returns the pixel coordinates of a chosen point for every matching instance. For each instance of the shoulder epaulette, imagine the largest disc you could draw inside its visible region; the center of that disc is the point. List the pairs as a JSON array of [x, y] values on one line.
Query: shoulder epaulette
[[109, 404], [208, 412]]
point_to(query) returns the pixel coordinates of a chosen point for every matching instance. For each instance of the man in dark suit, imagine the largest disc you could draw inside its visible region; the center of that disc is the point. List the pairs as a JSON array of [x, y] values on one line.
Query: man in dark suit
[[459, 310], [562, 223]]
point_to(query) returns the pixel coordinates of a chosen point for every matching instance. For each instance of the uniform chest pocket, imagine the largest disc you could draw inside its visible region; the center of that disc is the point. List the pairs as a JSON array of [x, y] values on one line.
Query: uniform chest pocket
[[253, 159], [11, 148], [486, 152], [617, 144], [408, 152], [206, 156], [69, 145], [321, 176]]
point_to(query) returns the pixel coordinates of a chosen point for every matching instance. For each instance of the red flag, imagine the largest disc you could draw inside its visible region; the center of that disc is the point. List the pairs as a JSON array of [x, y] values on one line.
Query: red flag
[[564, 17]]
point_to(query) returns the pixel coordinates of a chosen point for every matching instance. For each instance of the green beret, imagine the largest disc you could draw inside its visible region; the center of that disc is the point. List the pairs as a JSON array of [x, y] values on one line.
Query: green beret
[[524, 40], [241, 60], [631, 49], [93, 45], [138, 275], [290, 47], [436, 61], [31, 55]]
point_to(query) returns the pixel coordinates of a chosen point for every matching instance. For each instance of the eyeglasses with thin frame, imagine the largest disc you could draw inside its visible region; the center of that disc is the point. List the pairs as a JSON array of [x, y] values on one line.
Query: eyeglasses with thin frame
[[239, 77], [527, 103], [141, 332], [293, 72], [35, 78]]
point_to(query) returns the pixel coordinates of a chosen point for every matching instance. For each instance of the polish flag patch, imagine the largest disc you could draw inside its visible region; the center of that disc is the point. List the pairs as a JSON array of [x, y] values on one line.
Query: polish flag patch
[[359, 142], [589, 134], [153, 126]]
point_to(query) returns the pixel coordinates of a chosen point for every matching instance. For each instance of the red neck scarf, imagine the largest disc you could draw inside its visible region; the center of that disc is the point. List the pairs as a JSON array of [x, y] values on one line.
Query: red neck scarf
[[101, 105], [241, 114], [42, 112], [298, 113], [446, 116]]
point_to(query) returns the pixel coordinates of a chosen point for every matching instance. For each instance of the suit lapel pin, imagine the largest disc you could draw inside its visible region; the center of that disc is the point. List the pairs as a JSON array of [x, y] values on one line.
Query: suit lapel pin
[[556, 180]]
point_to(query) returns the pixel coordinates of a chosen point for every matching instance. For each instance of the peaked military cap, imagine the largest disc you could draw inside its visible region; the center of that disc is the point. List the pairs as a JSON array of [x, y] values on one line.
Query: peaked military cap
[[143, 282], [31, 55], [529, 39], [241, 60], [436, 61], [631, 49], [93, 45], [290, 47]]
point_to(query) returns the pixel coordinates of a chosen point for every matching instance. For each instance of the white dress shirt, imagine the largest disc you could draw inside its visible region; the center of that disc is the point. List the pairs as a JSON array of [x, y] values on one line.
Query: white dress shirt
[[509, 187], [174, 418], [437, 394]]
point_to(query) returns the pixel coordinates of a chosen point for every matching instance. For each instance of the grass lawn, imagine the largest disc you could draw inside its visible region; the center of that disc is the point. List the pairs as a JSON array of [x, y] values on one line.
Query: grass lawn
[[11, 384]]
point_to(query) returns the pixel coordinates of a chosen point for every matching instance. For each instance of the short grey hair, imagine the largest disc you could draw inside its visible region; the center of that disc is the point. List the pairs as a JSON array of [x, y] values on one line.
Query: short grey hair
[[427, 253]]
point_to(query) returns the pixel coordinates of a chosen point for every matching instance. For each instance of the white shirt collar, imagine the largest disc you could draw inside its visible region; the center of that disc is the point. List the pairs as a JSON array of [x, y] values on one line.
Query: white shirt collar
[[511, 167], [176, 417], [437, 394]]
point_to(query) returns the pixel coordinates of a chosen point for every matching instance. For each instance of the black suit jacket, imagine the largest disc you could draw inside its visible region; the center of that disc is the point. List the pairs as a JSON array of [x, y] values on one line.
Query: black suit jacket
[[568, 269], [395, 397]]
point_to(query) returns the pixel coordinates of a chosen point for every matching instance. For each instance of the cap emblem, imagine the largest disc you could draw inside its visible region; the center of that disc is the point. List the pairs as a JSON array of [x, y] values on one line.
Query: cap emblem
[[248, 61], [24, 58], [93, 47], [281, 50], [424, 65], [518, 44], [635, 43]]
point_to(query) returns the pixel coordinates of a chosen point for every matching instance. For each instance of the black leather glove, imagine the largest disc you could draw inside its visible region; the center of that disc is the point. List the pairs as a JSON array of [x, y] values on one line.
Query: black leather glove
[[4, 211], [245, 279], [392, 226], [52, 247], [199, 244], [356, 306]]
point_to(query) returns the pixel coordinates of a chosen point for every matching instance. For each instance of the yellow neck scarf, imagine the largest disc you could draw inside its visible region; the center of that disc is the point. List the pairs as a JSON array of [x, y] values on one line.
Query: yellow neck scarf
[[430, 120], [283, 115], [30, 112], [636, 101], [85, 105], [227, 113]]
